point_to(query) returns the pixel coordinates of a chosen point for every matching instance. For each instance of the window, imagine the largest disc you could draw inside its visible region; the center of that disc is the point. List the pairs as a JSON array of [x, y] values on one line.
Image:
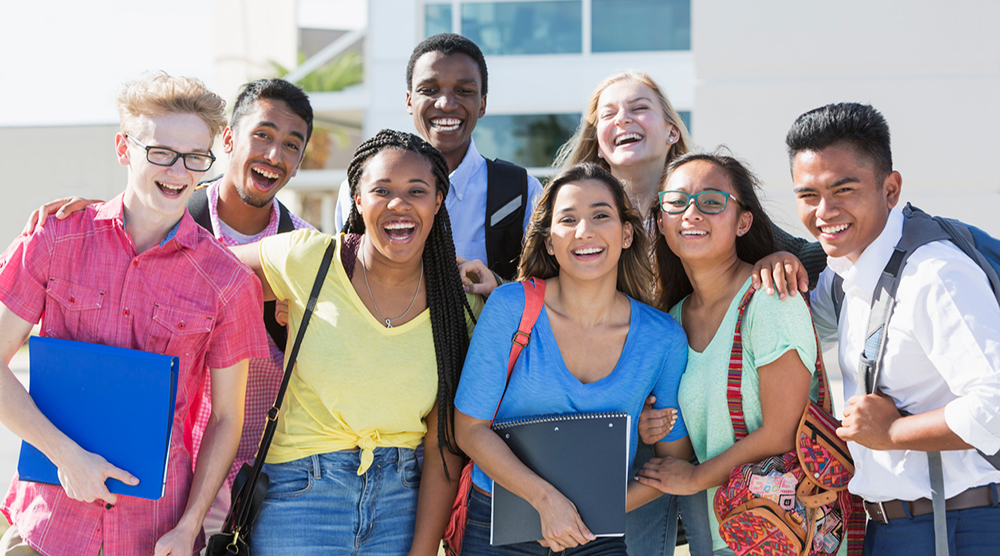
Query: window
[[631, 25], [530, 140], [551, 27], [437, 19], [686, 118]]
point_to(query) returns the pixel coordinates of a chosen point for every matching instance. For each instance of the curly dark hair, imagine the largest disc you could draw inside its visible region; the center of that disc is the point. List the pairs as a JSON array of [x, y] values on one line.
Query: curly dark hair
[[445, 294], [273, 89]]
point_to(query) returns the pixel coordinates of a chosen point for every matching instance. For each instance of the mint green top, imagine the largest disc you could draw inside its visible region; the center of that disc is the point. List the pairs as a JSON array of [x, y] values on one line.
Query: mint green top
[[770, 328]]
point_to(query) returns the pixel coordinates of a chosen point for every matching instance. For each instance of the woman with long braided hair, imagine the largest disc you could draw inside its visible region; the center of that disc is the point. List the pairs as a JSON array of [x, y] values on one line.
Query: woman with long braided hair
[[378, 367]]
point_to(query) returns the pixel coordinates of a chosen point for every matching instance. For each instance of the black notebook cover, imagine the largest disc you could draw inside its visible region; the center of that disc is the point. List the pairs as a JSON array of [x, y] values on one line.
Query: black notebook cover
[[583, 456]]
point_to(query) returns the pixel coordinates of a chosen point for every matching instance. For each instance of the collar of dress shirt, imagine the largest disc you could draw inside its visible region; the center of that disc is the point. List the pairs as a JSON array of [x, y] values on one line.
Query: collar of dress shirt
[[862, 276], [186, 230], [469, 167]]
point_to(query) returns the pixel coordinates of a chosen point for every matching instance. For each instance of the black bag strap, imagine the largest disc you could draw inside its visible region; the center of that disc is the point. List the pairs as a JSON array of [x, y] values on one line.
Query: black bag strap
[[272, 414], [198, 207], [506, 201]]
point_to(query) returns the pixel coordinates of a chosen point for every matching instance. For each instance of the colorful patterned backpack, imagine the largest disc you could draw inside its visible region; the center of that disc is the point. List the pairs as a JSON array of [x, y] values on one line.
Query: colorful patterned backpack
[[796, 503]]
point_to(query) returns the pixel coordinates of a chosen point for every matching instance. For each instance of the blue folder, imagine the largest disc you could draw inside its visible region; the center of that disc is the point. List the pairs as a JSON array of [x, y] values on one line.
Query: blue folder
[[115, 402]]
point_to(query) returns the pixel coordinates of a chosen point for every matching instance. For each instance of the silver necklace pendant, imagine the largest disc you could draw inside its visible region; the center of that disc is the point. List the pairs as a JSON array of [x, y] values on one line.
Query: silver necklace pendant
[[388, 324]]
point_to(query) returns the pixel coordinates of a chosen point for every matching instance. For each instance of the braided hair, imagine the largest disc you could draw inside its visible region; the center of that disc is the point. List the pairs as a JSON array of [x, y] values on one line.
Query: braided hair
[[445, 294]]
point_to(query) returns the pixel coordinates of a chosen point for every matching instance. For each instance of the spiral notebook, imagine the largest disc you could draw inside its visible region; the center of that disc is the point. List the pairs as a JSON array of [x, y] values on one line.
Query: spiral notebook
[[584, 456], [115, 402]]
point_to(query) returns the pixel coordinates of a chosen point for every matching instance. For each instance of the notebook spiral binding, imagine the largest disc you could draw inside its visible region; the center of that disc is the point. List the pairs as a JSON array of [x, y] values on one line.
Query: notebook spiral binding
[[556, 418]]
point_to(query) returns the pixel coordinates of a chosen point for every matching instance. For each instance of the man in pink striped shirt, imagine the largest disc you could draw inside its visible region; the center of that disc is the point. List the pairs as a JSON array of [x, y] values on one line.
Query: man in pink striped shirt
[[135, 272]]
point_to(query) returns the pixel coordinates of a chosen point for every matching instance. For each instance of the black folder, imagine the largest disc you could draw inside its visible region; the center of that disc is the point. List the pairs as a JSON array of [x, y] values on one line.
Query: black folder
[[584, 456]]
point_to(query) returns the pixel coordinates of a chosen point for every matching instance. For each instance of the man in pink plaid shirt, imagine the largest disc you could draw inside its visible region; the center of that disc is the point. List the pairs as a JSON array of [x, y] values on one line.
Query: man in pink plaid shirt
[[135, 272], [266, 140]]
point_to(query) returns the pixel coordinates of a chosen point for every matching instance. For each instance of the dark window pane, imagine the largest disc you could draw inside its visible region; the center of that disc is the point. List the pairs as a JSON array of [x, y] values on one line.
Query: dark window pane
[[553, 27], [437, 19], [530, 140], [630, 25], [686, 118]]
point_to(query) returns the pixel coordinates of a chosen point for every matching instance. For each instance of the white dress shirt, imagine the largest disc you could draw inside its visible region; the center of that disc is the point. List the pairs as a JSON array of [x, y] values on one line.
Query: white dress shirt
[[942, 350], [466, 203]]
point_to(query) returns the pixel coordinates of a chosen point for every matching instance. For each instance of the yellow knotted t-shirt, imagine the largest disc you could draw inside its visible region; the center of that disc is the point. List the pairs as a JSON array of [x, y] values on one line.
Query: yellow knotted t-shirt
[[356, 383]]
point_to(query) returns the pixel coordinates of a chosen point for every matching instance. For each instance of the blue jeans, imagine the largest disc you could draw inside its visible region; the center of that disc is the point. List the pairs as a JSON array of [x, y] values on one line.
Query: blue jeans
[[477, 537], [972, 532], [319, 505], [651, 530]]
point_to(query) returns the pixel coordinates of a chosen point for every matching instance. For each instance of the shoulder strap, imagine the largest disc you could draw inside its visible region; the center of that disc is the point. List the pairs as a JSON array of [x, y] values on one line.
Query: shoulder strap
[[734, 395], [197, 205], [272, 414], [506, 202], [534, 300], [285, 223]]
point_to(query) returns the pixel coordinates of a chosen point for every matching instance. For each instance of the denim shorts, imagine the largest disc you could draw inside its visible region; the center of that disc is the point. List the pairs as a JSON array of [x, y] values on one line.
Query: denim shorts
[[477, 537], [320, 505]]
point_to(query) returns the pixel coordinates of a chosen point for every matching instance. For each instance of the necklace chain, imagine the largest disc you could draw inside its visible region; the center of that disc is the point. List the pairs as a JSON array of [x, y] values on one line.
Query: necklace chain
[[388, 322]]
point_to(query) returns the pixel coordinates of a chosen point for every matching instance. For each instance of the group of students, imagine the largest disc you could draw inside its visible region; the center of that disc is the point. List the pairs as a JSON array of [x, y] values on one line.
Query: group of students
[[645, 248]]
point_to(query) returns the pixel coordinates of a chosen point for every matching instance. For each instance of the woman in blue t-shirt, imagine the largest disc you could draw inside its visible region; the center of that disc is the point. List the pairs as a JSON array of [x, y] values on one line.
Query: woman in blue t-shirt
[[597, 347]]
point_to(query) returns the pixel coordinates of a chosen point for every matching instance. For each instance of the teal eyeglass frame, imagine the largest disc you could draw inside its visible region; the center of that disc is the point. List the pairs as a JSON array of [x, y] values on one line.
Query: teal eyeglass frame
[[697, 202]]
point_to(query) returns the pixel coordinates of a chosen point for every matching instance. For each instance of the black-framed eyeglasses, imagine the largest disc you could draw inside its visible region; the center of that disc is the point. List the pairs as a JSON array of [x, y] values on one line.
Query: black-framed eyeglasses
[[162, 156], [708, 201]]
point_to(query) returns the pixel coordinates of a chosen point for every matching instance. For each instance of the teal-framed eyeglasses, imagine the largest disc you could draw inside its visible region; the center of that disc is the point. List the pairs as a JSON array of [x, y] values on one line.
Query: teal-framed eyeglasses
[[709, 201], [162, 156]]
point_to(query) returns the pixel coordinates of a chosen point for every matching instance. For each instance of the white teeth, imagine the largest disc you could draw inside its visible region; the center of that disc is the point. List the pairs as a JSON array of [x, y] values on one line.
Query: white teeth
[[834, 229], [265, 173], [400, 226], [170, 187], [588, 251], [627, 137], [446, 124], [694, 233]]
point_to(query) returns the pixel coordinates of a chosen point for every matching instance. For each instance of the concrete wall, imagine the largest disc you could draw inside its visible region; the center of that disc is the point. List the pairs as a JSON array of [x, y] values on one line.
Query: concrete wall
[[45, 163], [932, 68]]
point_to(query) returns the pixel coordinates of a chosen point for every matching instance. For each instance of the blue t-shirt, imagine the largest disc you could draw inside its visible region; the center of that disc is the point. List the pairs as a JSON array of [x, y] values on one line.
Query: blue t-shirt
[[652, 361]]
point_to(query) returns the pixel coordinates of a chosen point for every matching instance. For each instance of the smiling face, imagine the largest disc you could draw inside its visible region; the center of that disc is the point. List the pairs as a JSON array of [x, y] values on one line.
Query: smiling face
[[693, 235], [397, 197], [265, 148], [162, 190], [587, 234], [631, 127], [446, 101], [840, 200]]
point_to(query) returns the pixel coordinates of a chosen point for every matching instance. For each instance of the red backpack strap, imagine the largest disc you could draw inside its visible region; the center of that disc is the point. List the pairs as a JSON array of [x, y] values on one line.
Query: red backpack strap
[[534, 300], [734, 396]]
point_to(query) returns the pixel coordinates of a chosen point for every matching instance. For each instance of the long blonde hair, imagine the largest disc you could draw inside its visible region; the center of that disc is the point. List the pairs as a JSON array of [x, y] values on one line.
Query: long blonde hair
[[583, 147], [635, 270]]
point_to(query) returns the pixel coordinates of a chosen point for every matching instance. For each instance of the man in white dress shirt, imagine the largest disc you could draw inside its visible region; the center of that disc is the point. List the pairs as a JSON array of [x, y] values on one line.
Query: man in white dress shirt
[[446, 84], [941, 367]]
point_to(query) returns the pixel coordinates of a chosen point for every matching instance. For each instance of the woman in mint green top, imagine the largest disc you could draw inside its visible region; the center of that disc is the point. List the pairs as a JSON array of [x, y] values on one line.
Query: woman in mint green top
[[712, 231]]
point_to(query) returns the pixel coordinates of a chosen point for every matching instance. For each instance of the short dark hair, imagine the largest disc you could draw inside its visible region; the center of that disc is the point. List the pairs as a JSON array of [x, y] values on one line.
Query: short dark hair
[[758, 242], [273, 89], [860, 126], [447, 44]]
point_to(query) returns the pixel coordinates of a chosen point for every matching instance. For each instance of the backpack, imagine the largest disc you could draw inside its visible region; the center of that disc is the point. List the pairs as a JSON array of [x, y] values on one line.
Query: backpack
[[920, 228], [198, 207], [506, 201]]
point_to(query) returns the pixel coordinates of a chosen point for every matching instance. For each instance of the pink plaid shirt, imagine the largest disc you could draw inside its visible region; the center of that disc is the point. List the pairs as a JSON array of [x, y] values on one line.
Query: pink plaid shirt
[[265, 374], [189, 297]]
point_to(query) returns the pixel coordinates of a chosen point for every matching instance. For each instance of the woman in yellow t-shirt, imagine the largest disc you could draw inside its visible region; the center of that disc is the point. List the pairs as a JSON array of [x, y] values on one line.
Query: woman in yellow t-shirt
[[377, 368]]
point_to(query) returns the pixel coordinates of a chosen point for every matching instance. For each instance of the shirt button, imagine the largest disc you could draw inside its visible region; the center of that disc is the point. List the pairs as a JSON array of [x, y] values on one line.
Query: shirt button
[[125, 311], [72, 299], [135, 262], [180, 325]]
